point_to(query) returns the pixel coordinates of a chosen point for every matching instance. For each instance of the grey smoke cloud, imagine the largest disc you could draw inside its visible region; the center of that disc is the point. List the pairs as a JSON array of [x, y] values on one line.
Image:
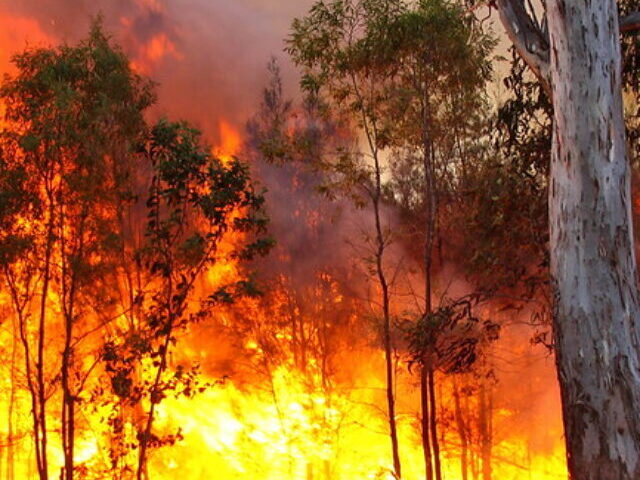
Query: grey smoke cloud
[[216, 51]]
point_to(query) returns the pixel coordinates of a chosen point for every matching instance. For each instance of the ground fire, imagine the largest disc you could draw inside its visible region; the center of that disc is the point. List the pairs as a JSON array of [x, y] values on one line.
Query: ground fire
[[305, 242]]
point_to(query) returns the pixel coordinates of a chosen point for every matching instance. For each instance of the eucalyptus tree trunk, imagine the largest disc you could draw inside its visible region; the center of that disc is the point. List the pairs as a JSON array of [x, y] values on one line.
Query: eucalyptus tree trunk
[[592, 258], [593, 265]]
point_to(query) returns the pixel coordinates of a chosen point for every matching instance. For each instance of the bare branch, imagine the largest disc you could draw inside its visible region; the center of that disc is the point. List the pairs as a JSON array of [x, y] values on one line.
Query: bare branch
[[630, 22], [528, 39]]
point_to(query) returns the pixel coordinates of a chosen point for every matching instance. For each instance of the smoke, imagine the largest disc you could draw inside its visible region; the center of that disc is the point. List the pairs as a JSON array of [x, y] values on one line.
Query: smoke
[[209, 57], [210, 61]]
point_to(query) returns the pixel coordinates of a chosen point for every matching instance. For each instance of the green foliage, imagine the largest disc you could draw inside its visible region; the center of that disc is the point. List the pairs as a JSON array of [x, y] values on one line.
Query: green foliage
[[377, 59], [507, 220], [71, 94], [18, 200], [410, 77], [309, 141], [195, 199], [449, 338], [73, 113], [335, 45], [443, 66], [77, 162]]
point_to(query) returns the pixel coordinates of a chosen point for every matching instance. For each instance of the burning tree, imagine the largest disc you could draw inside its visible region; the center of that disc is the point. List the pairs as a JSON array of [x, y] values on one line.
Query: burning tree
[[440, 65], [194, 201], [76, 155], [330, 45], [405, 77], [72, 114], [310, 316]]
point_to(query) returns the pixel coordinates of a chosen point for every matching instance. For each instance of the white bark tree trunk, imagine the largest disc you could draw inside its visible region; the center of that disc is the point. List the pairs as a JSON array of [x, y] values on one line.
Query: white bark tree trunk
[[592, 257]]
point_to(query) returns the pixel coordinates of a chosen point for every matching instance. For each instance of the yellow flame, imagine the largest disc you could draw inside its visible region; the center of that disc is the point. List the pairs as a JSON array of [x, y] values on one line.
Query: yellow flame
[[230, 142]]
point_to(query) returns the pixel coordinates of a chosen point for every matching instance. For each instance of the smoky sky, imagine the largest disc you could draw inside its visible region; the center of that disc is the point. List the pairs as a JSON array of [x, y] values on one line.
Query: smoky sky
[[215, 51]]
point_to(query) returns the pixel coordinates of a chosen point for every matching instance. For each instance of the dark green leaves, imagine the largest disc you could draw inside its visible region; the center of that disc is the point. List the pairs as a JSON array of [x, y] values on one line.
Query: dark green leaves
[[195, 199]]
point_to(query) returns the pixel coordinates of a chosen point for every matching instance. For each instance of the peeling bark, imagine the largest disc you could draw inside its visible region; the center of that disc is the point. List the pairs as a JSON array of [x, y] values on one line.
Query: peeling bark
[[531, 43], [593, 265]]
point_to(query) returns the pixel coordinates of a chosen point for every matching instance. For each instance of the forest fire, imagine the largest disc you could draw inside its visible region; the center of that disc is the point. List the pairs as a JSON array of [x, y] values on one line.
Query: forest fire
[[351, 283], [286, 413]]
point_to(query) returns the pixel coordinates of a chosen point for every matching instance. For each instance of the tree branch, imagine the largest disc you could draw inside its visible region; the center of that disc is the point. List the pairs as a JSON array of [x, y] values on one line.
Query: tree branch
[[531, 43], [630, 22]]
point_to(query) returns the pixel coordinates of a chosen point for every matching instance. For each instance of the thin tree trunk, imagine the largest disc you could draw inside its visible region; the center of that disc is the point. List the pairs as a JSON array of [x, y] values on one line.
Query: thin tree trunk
[[33, 392], [68, 404], [593, 265], [388, 351], [434, 425], [10, 450], [425, 423], [380, 245], [39, 391], [486, 437], [429, 411], [154, 396], [462, 432], [70, 287], [388, 347]]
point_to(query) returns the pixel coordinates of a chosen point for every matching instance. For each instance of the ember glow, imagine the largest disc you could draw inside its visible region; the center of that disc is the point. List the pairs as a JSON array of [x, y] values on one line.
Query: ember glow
[[295, 384]]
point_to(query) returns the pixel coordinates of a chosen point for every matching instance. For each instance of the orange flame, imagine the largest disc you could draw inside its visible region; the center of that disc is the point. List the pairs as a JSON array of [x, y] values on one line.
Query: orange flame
[[151, 53], [230, 142]]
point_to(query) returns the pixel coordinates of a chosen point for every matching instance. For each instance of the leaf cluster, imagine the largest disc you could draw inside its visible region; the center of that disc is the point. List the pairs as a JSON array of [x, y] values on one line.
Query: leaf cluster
[[449, 338]]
